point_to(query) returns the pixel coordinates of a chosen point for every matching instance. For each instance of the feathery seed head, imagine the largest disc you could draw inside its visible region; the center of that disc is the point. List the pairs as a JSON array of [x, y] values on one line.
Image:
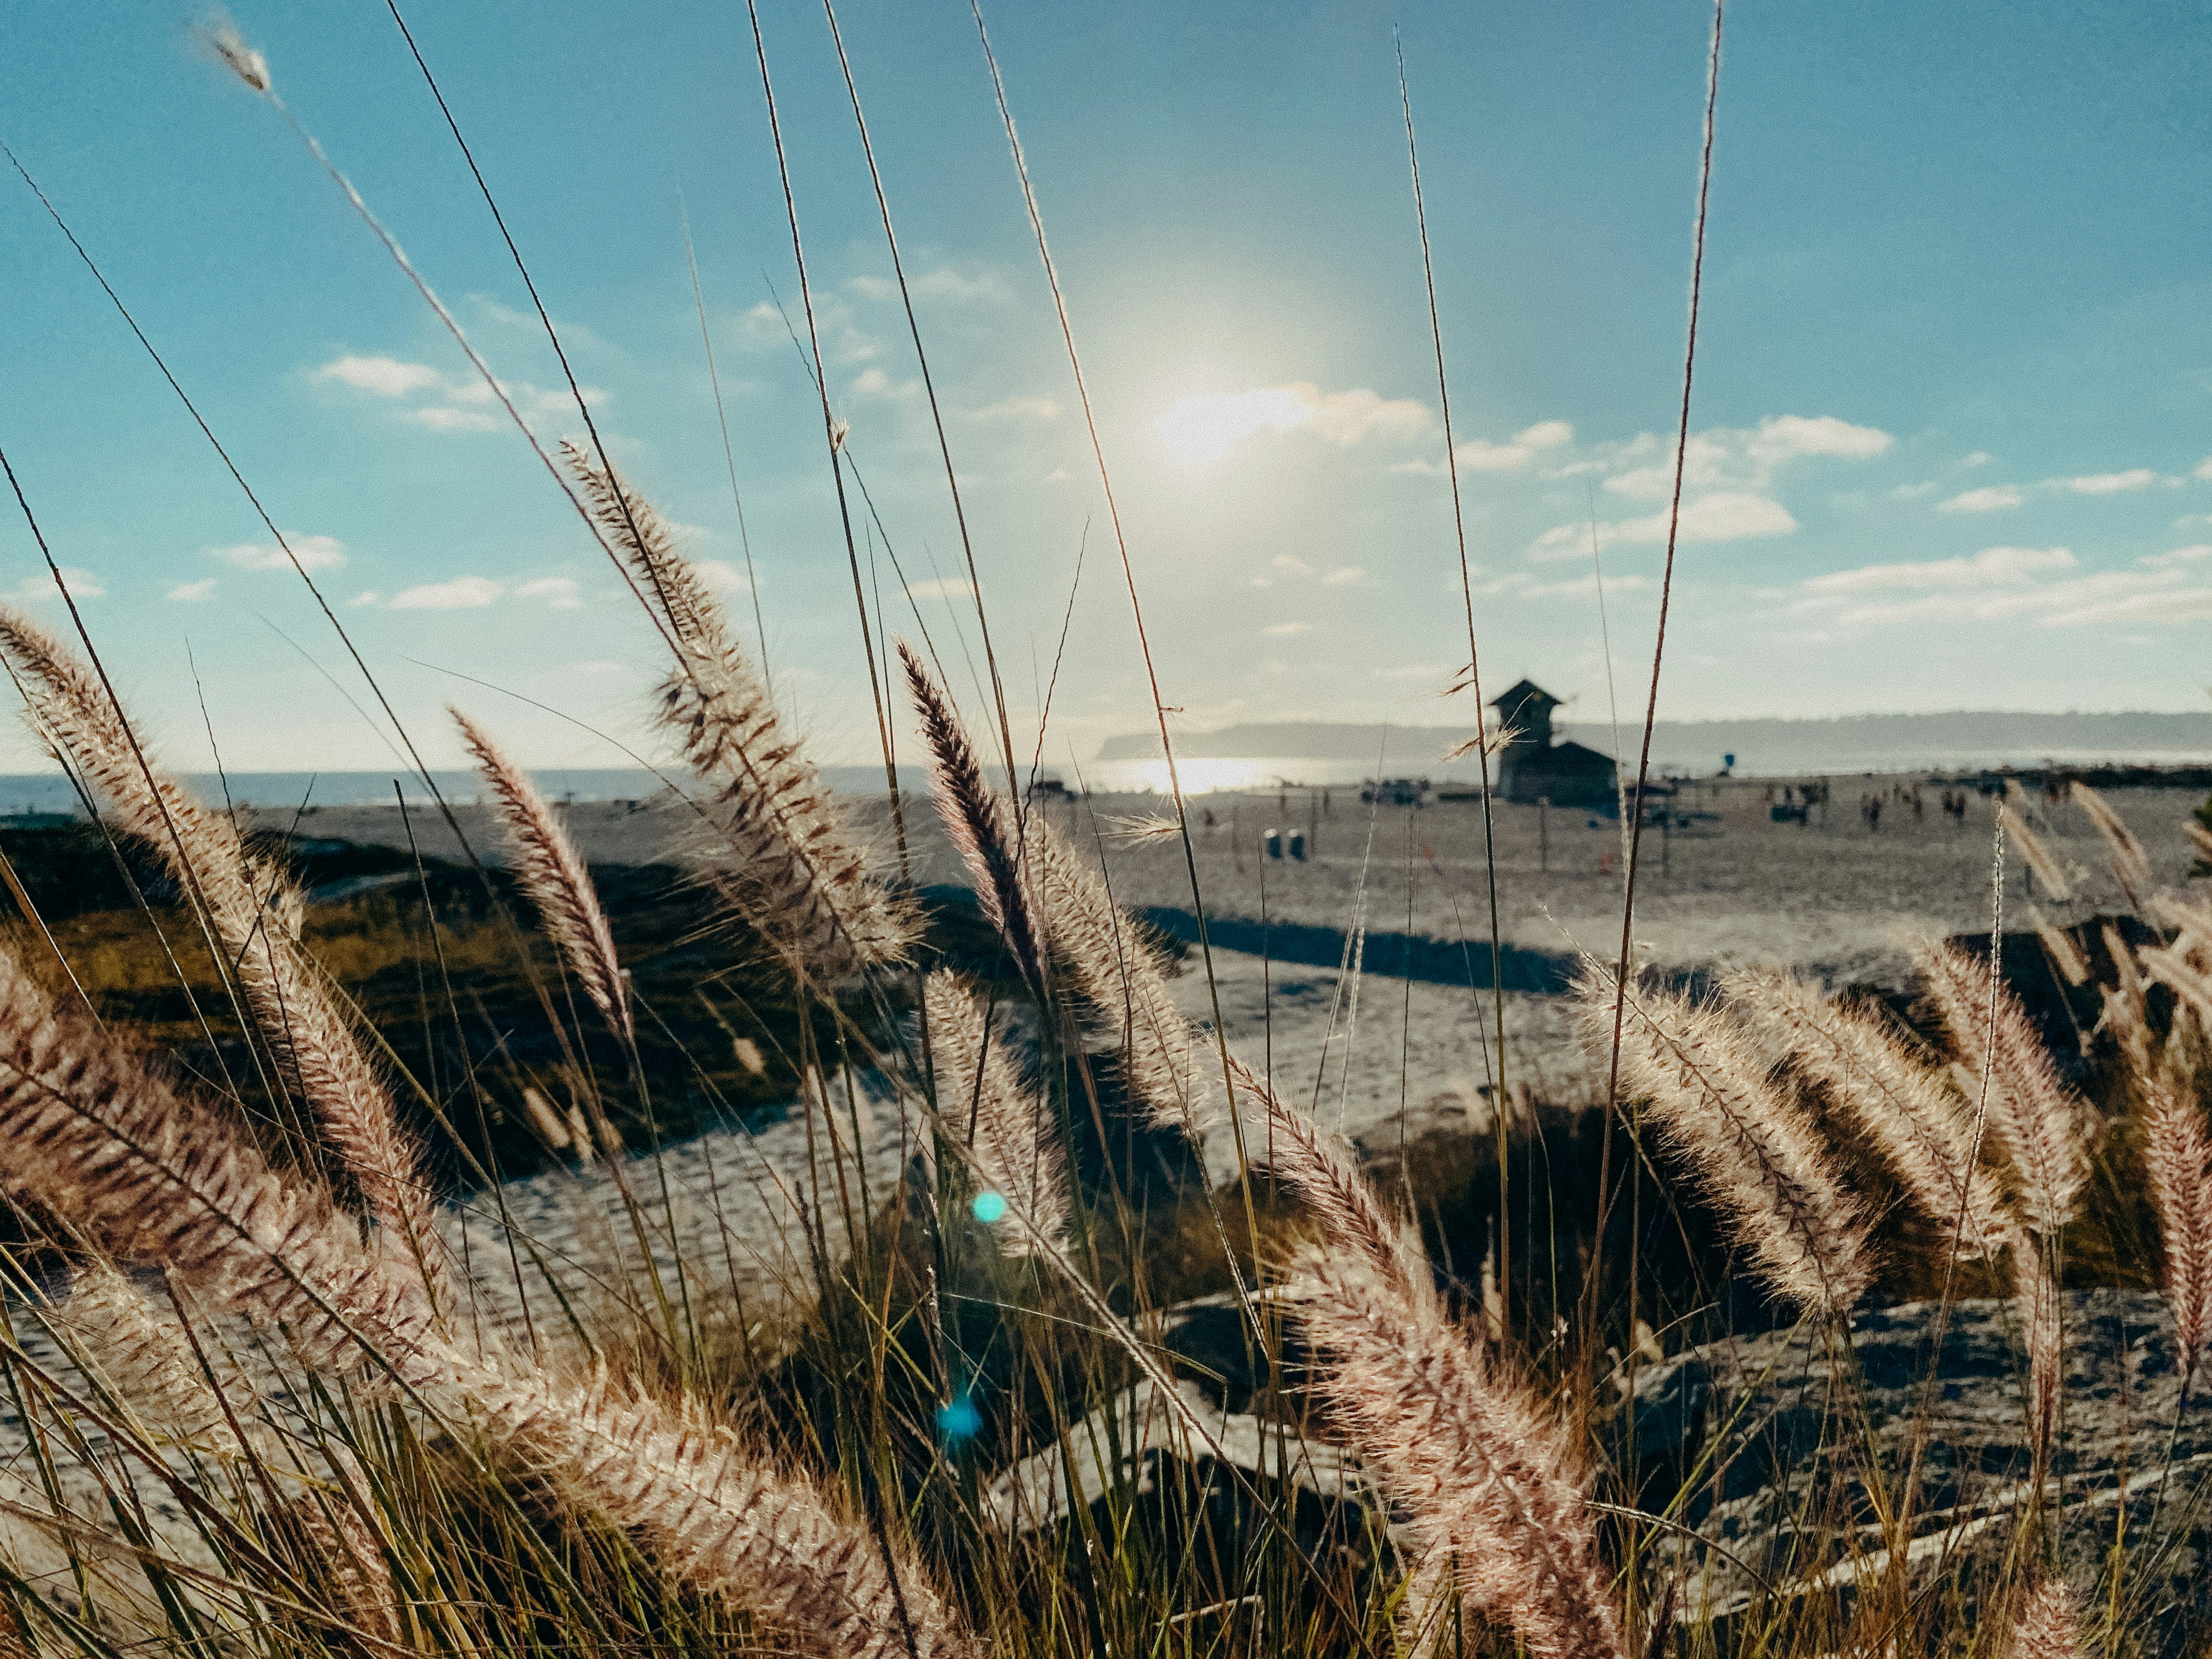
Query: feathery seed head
[[1752, 1140], [220, 35]]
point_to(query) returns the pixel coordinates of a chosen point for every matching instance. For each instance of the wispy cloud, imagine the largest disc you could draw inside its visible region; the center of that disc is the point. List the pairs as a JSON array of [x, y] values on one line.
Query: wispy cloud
[[1017, 409], [1284, 630], [1726, 516], [1519, 453], [1728, 475], [38, 588], [1201, 429], [1347, 575], [1992, 567], [559, 593], [314, 552], [461, 594], [2109, 484], [942, 588], [1990, 498], [192, 593], [2003, 582], [944, 284], [722, 576], [453, 402]]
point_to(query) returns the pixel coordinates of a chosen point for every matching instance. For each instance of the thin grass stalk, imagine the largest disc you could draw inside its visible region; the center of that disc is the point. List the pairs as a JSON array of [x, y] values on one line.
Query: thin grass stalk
[[1763, 1160], [553, 876], [2037, 1296], [2037, 1118], [1919, 1126]]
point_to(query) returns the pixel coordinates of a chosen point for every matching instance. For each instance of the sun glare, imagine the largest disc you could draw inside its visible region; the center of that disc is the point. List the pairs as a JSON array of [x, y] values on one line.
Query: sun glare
[[1199, 430]]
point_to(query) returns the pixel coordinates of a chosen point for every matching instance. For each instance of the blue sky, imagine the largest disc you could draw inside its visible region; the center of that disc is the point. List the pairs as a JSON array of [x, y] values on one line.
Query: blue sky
[[1953, 422]]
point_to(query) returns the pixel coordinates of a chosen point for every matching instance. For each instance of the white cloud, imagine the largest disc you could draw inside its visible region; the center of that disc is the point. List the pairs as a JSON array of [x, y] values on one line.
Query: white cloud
[[1284, 630], [1522, 450], [1729, 516], [2110, 484], [381, 377], [2204, 469], [722, 576], [313, 553], [1521, 584], [35, 590], [1348, 575], [372, 596], [942, 588], [1200, 429], [191, 593], [1018, 408], [1785, 437], [960, 288], [1990, 498], [559, 593], [1289, 564], [1980, 458], [462, 593], [2001, 583], [1737, 460], [1992, 567], [444, 417], [2180, 556]]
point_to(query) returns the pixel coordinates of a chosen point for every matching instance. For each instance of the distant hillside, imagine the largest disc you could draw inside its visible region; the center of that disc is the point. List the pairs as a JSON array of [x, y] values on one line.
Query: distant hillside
[[1847, 744]]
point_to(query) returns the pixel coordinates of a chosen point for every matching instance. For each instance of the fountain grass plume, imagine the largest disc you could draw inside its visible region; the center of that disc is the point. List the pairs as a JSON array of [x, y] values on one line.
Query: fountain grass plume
[[2035, 850], [1325, 1175], [2065, 955], [145, 1356], [107, 1150], [1120, 975], [975, 821], [2130, 862], [1005, 1126], [2178, 1160], [2038, 1120], [1920, 1127], [1723, 1107], [1479, 1470], [553, 876], [724, 1519], [786, 858], [2037, 1294], [2044, 1627], [252, 912]]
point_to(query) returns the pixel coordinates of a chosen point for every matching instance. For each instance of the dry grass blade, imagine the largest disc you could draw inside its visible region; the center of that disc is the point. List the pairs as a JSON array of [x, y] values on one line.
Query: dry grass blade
[[1921, 1129], [2178, 1160], [2130, 863], [2037, 1118], [1007, 1129], [1491, 743], [553, 876], [346, 1556], [1718, 1103], [786, 859], [1146, 826], [250, 907], [2065, 955], [724, 1519], [2034, 850], [1480, 1471]]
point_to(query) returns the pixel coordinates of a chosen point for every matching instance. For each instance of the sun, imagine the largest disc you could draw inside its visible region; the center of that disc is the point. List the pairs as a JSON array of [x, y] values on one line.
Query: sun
[[1199, 431]]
